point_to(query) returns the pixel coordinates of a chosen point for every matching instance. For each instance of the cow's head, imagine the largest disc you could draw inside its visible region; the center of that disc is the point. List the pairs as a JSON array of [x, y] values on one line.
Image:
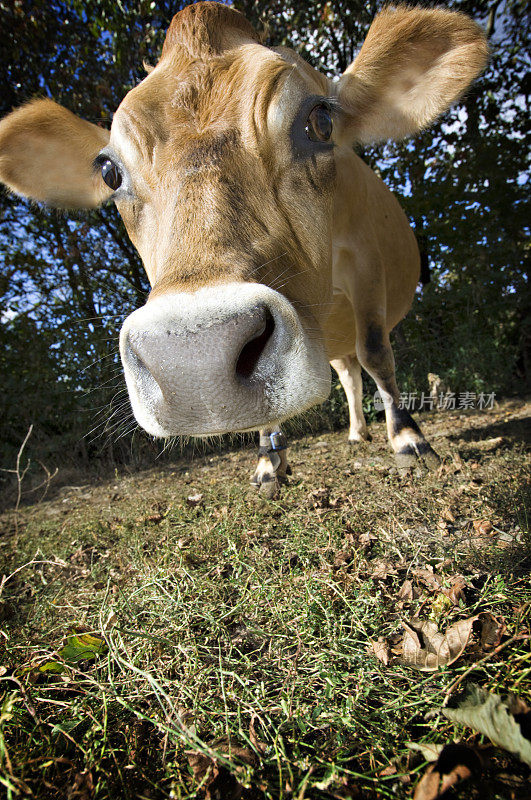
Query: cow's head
[[222, 164]]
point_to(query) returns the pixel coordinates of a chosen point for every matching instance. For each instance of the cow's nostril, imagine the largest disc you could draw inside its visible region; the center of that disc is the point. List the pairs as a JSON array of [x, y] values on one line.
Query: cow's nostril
[[134, 352], [253, 349]]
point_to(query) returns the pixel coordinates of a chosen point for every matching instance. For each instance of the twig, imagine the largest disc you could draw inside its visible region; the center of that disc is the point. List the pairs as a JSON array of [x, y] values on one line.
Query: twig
[[46, 482], [6, 578], [20, 477]]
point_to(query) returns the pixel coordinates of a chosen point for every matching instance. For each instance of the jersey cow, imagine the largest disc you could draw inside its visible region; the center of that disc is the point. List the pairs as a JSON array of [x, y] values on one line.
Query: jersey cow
[[271, 248]]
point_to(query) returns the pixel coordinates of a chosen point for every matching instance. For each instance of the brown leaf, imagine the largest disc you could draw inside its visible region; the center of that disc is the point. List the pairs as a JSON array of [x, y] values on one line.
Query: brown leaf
[[366, 540], [433, 784], [203, 767], [482, 526], [428, 786], [517, 705], [380, 649], [343, 558], [215, 778], [447, 515], [256, 743], [492, 630], [405, 594], [155, 518], [456, 590], [425, 648], [432, 581], [382, 568], [338, 501], [83, 786], [319, 498], [455, 763]]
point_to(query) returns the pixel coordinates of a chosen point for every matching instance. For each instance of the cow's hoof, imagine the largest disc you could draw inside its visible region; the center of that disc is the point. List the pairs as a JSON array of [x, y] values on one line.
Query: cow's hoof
[[269, 485], [355, 441], [431, 459], [270, 489], [405, 463], [411, 459], [268, 480]]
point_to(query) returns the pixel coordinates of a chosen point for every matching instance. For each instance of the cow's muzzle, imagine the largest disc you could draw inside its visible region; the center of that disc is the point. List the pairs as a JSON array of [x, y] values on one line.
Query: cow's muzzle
[[225, 358]]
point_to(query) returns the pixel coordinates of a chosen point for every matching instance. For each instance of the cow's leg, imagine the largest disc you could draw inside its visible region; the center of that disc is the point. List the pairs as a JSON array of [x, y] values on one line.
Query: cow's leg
[[349, 372], [272, 467], [376, 356]]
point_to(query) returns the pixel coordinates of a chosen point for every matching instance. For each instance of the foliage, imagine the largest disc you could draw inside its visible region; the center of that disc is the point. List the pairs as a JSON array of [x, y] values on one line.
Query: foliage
[[66, 281]]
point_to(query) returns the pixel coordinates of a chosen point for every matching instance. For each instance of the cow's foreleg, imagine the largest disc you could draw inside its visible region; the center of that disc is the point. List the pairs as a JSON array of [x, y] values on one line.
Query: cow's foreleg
[[349, 373], [272, 467], [376, 356]]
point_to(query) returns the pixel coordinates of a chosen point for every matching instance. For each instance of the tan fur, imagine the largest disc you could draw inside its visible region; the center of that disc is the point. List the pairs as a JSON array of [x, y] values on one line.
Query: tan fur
[[413, 64], [206, 29], [182, 242], [46, 153]]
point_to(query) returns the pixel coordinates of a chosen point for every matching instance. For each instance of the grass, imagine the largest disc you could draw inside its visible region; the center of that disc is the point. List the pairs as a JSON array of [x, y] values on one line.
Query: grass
[[241, 629]]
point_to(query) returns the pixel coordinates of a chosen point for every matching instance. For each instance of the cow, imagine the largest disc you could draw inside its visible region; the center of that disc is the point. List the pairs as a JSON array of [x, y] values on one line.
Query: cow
[[271, 248]]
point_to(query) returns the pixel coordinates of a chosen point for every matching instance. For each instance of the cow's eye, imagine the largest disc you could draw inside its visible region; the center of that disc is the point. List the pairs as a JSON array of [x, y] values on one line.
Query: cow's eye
[[319, 125], [111, 174]]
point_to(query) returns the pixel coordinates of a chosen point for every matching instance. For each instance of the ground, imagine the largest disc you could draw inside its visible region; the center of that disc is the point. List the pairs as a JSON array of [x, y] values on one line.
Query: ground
[[242, 647]]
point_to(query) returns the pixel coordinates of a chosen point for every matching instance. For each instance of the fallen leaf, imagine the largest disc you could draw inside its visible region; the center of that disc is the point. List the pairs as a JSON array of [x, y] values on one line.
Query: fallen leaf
[[447, 515], [405, 594], [490, 715], [366, 540], [83, 787], [380, 649], [78, 647], [214, 777], [319, 498], [455, 763], [429, 751], [82, 647], [482, 526], [492, 630], [343, 558], [205, 770], [54, 667], [253, 738], [429, 578], [456, 590], [382, 568], [517, 705], [488, 445], [425, 648], [440, 606]]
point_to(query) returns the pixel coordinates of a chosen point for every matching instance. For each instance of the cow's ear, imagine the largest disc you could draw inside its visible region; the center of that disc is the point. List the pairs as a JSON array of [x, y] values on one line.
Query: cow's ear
[[47, 154], [413, 64]]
